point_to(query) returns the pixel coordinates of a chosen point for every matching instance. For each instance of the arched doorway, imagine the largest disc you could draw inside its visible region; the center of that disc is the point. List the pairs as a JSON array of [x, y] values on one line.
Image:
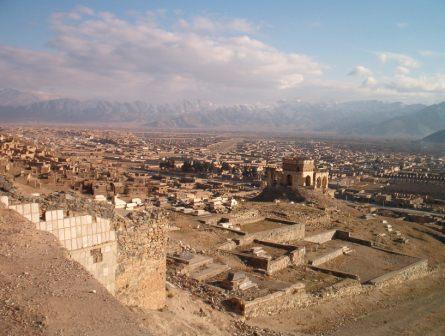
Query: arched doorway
[[308, 181], [318, 182], [289, 180], [324, 183]]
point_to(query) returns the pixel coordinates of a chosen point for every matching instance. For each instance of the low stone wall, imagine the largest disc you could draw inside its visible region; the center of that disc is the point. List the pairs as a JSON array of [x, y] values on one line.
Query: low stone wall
[[400, 275], [344, 288], [292, 297], [327, 257], [321, 237], [345, 235], [254, 261], [246, 217], [283, 234], [278, 264], [298, 256]]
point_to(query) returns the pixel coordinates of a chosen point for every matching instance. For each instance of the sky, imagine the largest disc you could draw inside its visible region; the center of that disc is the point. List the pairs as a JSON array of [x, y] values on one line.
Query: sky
[[226, 52]]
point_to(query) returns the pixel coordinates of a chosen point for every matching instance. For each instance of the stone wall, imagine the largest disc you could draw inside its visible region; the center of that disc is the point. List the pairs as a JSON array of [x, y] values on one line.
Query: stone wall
[[30, 211], [322, 237], [245, 217], [283, 234], [91, 242], [292, 297], [345, 235], [327, 257], [278, 264], [100, 261], [141, 274], [411, 271], [131, 265]]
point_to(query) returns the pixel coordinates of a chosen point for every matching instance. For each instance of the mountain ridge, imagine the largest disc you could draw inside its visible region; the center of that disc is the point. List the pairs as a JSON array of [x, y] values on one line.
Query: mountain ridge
[[355, 118]]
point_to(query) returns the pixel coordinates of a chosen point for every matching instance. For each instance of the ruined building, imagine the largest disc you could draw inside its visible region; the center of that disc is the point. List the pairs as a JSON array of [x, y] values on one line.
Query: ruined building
[[297, 172], [128, 258]]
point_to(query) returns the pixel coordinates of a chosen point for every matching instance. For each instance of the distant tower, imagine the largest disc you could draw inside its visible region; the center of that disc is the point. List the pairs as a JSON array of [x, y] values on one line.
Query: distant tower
[[297, 172]]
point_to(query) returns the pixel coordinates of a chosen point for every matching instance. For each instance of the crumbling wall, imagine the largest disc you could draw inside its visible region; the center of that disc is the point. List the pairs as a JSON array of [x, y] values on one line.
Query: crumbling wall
[[322, 237], [278, 264], [283, 234], [345, 235], [411, 271], [246, 217], [292, 297], [327, 257], [254, 261], [298, 256], [141, 274]]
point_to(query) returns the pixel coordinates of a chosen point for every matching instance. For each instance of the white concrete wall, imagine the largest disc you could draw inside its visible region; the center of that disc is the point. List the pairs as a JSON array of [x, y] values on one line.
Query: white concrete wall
[[80, 235], [30, 211], [77, 232]]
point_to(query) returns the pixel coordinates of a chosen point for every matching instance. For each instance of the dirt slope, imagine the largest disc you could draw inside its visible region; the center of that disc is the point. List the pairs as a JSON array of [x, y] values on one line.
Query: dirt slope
[[44, 293]]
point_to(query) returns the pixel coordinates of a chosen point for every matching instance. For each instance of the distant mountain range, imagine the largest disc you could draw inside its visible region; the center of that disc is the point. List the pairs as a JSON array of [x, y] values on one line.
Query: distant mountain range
[[359, 118], [435, 138]]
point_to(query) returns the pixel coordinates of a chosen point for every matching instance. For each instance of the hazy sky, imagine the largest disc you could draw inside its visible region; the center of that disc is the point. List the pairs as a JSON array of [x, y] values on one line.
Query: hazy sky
[[225, 51]]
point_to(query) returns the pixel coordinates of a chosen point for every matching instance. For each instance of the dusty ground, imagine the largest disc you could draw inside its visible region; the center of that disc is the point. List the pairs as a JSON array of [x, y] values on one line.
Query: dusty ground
[[417, 308], [43, 293]]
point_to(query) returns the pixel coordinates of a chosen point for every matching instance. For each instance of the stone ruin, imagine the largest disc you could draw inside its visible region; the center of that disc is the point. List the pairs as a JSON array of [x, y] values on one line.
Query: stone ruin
[[297, 172], [129, 262]]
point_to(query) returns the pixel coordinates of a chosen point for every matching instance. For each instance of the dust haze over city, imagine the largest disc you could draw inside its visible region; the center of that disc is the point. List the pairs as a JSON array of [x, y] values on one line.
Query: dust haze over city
[[222, 168]]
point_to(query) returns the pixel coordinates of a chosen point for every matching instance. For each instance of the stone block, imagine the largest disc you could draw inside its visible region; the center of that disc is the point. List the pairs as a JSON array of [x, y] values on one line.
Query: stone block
[[67, 244], [48, 216], [67, 233], [74, 244], [26, 209], [35, 208], [73, 231], [4, 200]]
